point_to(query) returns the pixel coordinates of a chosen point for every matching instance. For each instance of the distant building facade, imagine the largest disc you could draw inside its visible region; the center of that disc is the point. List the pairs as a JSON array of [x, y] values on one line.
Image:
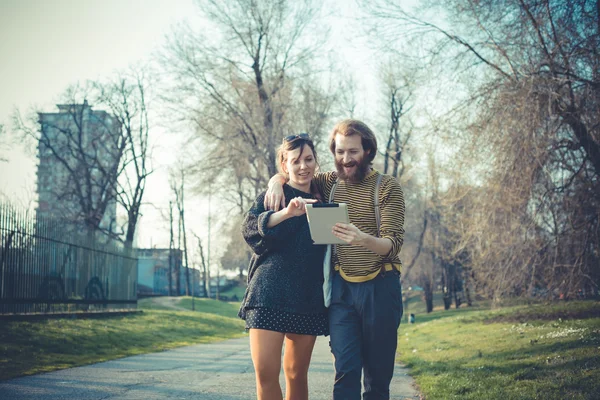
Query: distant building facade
[[78, 152], [153, 273]]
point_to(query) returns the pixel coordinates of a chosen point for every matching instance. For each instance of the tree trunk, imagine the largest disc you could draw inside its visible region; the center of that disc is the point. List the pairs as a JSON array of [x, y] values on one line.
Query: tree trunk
[[446, 278], [171, 249], [205, 276], [426, 283], [428, 293], [591, 147], [178, 273], [265, 102]]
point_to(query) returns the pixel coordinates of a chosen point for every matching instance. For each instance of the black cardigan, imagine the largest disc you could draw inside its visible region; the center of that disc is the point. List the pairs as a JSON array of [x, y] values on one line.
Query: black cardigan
[[286, 269]]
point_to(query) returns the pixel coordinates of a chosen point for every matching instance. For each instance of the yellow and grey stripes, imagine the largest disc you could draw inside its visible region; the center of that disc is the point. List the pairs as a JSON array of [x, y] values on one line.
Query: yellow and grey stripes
[[357, 263]]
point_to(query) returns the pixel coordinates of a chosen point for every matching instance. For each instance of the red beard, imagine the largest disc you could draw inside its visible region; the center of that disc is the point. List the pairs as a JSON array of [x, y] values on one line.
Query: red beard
[[363, 168]]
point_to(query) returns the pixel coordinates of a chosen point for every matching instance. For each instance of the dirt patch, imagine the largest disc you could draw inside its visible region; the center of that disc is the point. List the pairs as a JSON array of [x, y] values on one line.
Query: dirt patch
[[545, 316]]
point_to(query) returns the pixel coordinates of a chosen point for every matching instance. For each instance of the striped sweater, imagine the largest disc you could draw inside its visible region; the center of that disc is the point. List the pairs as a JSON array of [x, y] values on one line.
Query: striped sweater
[[357, 264]]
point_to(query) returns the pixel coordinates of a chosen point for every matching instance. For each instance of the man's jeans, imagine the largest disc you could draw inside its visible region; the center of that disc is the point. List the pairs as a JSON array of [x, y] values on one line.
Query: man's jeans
[[363, 323]]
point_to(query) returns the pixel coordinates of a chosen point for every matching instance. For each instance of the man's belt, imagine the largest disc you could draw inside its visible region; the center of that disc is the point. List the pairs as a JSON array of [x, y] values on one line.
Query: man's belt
[[363, 278]]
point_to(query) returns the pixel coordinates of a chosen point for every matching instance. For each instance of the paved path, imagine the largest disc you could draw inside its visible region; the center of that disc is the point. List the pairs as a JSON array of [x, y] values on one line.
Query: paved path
[[218, 371]]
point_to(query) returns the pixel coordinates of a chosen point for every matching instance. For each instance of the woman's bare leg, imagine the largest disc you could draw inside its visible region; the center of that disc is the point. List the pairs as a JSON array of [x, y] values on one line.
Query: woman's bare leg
[[296, 360], [265, 347]]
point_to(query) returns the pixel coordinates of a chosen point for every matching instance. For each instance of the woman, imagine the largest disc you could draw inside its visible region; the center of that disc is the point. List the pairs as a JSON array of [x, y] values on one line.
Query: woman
[[284, 298]]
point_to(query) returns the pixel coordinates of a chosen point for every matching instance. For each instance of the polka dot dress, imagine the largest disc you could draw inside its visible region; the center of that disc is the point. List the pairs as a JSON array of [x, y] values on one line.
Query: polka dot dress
[[286, 322]]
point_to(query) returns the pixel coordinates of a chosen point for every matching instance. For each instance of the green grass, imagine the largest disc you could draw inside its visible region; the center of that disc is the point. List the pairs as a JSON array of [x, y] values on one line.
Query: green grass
[[545, 351], [149, 303], [238, 291], [223, 308], [226, 309], [415, 304], [31, 347]]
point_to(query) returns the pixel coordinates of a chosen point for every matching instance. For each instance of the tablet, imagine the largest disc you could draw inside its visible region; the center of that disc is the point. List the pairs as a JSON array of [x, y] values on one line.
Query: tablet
[[322, 217]]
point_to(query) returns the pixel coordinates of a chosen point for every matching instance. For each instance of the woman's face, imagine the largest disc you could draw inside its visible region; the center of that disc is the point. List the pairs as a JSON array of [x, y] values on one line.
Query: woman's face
[[300, 167]]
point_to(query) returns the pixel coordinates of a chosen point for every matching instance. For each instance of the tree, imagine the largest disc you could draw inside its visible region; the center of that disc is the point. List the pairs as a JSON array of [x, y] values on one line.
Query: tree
[[172, 264], [245, 87], [529, 73], [205, 268], [177, 188], [126, 98], [398, 91], [98, 158], [80, 151], [237, 255], [2, 138]]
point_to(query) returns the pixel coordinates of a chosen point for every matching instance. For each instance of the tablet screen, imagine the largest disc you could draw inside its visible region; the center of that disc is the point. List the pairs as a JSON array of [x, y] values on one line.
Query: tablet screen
[[322, 217]]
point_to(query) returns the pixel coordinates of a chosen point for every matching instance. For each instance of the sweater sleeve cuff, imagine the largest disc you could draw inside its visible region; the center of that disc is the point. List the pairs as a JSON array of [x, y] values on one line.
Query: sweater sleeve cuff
[[281, 230], [263, 230], [396, 245]]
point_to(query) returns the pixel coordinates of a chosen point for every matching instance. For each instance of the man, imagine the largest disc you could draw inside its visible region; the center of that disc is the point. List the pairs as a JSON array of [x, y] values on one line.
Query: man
[[366, 301]]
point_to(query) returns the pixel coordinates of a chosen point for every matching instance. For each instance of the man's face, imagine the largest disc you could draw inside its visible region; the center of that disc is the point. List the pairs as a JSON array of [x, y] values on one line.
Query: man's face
[[350, 160]]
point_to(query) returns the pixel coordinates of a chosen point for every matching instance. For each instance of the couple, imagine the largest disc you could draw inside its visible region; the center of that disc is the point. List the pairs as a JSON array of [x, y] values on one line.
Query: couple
[[284, 298]]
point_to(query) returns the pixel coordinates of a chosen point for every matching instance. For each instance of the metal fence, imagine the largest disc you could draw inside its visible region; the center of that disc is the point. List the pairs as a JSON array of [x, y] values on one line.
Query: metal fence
[[51, 266]]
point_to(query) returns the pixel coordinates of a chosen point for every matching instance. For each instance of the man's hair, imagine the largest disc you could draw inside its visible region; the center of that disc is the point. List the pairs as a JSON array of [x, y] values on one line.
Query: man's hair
[[349, 127]]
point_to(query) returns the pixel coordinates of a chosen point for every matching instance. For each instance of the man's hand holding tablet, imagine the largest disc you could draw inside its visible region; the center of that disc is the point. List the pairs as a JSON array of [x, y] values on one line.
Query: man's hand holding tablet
[[322, 218]]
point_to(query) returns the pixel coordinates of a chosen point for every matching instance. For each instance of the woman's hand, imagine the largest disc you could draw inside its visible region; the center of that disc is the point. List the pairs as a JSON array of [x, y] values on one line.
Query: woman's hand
[[297, 206]]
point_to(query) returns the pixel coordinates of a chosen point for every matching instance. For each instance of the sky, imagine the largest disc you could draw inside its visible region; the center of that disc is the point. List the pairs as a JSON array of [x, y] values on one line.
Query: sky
[[46, 45]]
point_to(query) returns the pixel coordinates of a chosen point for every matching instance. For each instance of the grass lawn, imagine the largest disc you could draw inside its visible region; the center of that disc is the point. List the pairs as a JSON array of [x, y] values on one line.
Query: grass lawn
[[38, 346], [238, 291], [542, 351], [225, 309]]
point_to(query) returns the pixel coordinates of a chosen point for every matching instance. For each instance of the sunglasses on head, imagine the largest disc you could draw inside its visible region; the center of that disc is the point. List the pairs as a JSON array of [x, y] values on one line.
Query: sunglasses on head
[[291, 138]]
